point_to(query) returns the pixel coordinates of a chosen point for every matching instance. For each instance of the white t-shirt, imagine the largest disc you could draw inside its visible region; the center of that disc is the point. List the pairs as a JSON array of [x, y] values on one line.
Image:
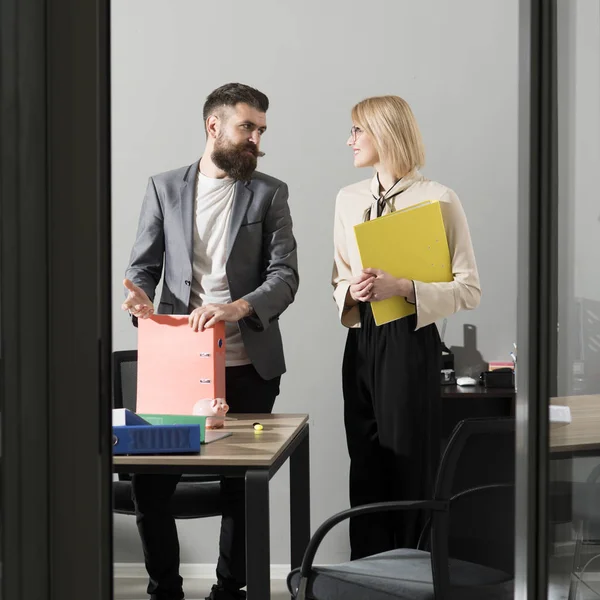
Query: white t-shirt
[[212, 208]]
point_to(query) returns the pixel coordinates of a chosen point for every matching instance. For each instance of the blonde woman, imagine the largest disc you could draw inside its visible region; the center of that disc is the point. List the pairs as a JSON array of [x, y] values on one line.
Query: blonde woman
[[391, 373]]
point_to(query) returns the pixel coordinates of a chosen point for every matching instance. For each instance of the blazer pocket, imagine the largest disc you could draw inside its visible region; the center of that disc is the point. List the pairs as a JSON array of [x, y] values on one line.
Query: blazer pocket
[[252, 217], [164, 308], [248, 223]]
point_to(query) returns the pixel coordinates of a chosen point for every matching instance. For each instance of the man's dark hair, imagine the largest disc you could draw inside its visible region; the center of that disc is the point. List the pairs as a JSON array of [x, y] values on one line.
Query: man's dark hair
[[231, 94]]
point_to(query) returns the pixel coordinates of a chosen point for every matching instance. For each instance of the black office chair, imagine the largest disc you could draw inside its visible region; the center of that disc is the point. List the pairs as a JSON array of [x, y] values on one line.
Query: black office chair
[[586, 522], [471, 531], [195, 496]]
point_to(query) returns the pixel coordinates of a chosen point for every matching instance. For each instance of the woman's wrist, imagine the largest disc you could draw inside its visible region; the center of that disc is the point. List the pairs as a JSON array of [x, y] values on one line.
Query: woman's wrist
[[349, 301], [406, 289]]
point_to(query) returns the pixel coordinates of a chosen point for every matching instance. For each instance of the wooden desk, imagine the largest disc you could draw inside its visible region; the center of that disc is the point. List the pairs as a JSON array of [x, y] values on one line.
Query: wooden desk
[[582, 435], [257, 456], [477, 392], [470, 402]]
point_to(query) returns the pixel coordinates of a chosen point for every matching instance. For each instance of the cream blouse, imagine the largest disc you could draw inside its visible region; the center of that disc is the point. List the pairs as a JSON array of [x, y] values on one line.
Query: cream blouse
[[434, 300]]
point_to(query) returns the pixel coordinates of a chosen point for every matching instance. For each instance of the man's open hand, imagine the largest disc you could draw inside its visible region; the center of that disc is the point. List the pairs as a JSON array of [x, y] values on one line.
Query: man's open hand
[[137, 301]]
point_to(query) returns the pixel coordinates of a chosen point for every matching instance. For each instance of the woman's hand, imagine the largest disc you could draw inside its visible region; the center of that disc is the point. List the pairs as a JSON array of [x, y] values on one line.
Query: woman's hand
[[386, 286], [360, 290]]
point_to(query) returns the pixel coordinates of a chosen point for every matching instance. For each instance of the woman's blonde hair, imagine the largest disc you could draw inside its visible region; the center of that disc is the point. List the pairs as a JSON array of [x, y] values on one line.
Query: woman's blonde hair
[[391, 123]]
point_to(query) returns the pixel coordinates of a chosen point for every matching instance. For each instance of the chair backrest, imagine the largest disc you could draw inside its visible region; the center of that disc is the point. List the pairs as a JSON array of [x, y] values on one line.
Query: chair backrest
[[124, 384], [477, 476]]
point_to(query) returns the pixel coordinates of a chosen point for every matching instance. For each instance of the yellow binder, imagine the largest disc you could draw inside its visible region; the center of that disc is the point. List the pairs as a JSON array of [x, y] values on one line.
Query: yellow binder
[[409, 243]]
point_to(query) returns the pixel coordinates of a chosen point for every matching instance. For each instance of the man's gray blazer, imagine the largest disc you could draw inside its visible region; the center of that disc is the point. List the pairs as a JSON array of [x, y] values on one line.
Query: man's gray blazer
[[261, 266]]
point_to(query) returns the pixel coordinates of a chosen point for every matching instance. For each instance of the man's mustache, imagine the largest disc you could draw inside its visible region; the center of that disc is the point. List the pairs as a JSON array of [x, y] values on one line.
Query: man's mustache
[[254, 151]]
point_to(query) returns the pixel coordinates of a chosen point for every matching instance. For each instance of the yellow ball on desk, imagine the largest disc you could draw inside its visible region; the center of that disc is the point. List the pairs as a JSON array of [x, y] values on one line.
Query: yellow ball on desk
[[257, 427]]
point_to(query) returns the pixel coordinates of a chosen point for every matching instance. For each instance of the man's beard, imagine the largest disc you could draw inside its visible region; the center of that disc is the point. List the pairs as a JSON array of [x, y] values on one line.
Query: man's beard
[[237, 160]]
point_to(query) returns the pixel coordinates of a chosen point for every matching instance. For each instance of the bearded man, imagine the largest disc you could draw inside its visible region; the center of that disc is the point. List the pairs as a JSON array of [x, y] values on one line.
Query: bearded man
[[223, 233]]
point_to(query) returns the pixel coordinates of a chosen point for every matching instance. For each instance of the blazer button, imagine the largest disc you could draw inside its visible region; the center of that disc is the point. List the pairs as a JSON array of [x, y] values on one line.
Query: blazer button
[[187, 282]]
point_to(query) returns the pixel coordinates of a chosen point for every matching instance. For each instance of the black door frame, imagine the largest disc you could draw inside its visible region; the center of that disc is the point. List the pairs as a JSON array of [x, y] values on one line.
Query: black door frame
[[55, 299], [537, 290]]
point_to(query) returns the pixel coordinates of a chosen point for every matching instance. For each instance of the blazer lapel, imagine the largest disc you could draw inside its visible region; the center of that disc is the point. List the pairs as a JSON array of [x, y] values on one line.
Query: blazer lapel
[[187, 208], [241, 201]]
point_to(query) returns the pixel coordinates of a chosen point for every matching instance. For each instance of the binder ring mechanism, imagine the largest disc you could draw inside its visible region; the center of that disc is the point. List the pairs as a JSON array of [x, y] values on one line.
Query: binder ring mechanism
[[115, 440]]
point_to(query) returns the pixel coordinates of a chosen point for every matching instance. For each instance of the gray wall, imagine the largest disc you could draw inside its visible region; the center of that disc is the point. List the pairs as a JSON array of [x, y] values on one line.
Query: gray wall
[[455, 62], [586, 206], [579, 224], [586, 120]]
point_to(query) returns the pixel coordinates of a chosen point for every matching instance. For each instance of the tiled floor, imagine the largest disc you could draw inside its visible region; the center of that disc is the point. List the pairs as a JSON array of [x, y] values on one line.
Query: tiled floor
[[560, 568], [195, 589], [198, 589], [559, 590]]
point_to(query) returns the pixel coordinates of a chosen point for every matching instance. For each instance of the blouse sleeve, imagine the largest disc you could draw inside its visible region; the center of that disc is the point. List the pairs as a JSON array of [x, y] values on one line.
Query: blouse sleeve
[[436, 301], [342, 272]]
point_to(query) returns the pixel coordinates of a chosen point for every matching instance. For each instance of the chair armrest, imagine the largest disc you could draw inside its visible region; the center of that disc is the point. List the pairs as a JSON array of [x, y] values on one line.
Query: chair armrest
[[317, 538], [594, 475], [479, 488]]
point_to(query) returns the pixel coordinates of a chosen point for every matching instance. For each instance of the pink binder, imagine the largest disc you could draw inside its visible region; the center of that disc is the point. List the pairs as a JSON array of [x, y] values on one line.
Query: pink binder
[[178, 366]]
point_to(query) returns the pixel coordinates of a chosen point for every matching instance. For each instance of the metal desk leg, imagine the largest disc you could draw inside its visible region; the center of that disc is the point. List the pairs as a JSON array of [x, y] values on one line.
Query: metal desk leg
[[258, 555], [300, 500]]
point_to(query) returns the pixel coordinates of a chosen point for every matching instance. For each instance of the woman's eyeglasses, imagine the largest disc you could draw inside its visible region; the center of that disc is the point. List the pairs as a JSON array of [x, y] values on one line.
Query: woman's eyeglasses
[[355, 133]]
